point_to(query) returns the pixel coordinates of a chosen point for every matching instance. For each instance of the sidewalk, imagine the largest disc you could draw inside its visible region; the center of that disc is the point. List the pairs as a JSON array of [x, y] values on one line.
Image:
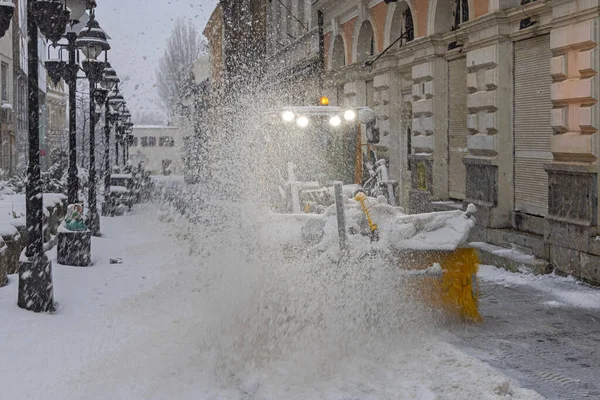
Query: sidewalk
[[542, 330], [167, 324]]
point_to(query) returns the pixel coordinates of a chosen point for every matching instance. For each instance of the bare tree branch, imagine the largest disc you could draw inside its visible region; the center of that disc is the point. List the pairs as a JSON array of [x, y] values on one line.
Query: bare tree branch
[[184, 47]]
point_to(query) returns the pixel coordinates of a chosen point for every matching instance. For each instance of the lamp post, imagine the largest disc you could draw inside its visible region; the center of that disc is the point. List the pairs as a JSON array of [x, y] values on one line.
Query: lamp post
[[128, 138], [36, 291], [116, 101], [109, 81], [92, 41], [58, 69]]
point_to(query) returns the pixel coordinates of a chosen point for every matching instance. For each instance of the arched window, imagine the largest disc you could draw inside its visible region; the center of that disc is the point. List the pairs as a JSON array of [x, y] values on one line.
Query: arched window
[[449, 15], [402, 24], [338, 55], [365, 47], [461, 13]]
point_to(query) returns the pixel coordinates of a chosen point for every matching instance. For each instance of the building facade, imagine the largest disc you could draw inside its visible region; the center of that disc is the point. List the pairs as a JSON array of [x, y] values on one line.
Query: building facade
[[158, 149], [18, 74], [57, 130], [214, 34], [7, 131], [492, 102]]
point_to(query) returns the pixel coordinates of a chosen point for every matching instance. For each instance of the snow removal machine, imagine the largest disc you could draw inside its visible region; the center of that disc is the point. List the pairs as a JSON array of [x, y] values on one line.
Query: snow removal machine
[[327, 186]]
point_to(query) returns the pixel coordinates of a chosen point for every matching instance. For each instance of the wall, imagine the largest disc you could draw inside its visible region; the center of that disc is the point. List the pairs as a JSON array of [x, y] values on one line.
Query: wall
[[152, 156], [408, 88], [214, 34]]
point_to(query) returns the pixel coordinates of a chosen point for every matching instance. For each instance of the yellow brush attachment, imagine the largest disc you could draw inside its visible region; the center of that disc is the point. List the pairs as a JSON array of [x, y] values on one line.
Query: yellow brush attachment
[[455, 291]]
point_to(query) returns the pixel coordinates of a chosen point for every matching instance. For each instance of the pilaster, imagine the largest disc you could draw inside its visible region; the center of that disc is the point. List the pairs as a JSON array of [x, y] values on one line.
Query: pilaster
[[386, 100], [490, 141], [430, 124], [573, 174]]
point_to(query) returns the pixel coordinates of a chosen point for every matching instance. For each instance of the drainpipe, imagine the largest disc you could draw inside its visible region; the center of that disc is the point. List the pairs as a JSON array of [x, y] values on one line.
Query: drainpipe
[[320, 21]]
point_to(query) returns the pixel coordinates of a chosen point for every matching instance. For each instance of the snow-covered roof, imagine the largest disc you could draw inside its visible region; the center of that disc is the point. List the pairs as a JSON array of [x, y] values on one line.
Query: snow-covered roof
[[154, 127]]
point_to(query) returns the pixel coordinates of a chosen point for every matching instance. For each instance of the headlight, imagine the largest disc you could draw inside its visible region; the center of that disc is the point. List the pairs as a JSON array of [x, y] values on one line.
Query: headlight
[[335, 121], [287, 116], [302, 122], [349, 115]]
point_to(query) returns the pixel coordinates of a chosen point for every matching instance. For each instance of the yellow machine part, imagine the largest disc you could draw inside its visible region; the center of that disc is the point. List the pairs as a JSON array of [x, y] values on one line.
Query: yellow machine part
[[454, 292], [362, 198]]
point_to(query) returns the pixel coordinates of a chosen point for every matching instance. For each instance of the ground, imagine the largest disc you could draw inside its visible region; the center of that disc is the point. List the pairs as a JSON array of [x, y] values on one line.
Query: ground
[[542, 331], [167, 324]]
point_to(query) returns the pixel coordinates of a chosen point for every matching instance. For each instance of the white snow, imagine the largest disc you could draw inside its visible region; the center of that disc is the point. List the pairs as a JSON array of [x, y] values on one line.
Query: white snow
[[431, 231], [566, 290], [118, 189], [194, 320], [121, 176], [503, 252]]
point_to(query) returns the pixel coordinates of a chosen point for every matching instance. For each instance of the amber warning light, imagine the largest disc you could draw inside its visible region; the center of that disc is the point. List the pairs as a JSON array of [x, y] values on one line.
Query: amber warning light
[[324, 101]]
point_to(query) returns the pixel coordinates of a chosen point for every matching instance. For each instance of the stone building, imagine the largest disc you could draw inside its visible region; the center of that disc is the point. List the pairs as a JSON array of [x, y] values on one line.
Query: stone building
[[158, 148], [492, 102], [236, 34], [214, 34], [57, 131], [7, 131]]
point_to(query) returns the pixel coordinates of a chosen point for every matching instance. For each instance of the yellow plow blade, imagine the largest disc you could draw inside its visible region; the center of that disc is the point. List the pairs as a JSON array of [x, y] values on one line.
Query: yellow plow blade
[[455, 292]]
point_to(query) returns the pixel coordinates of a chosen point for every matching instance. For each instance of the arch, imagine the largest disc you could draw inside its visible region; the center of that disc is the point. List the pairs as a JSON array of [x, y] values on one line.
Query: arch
[[442, 16], [396, 22], [364, 42], [337, 54]]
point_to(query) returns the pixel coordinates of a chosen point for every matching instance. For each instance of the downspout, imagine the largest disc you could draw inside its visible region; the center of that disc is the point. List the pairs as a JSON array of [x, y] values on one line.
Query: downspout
[[320, 22]]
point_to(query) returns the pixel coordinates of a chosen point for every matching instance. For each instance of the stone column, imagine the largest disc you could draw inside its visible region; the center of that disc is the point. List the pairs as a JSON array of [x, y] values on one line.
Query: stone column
[[573, 175], [490, 141], [430, 137], [354, 92], [387, 103]]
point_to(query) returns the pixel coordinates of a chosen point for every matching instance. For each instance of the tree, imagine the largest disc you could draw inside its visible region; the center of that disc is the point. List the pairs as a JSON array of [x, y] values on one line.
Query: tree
[[184, 47]]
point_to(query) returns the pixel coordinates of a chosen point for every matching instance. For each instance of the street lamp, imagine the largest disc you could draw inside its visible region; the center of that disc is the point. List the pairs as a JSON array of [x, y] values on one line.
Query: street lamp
[[92, 41], [117, 102], [58, 69], [128, 139], [109, 81], [36, 291]]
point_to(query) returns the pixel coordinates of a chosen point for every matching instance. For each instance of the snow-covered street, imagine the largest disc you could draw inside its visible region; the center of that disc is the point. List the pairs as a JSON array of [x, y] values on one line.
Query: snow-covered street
[[172, 322]]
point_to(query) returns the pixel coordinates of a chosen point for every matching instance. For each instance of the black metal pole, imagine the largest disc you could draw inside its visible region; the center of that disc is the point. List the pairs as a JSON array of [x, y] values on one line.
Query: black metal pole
[[116, 147], [35, 245], [94, 219], [106, 151], [35, 274], [124, 150], [73, 181]]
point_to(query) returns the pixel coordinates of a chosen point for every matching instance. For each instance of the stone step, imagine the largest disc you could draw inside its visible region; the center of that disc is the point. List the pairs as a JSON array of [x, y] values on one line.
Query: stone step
[[447, 205], [528, 243], [510, 259]]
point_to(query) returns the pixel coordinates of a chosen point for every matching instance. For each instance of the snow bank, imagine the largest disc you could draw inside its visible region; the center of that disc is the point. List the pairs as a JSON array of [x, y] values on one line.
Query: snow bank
[[118, 189], [568, 292], [431, 231], [121, 176]]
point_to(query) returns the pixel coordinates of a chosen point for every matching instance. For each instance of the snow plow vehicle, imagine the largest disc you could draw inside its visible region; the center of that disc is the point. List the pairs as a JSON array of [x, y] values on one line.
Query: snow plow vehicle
[[323, 147]]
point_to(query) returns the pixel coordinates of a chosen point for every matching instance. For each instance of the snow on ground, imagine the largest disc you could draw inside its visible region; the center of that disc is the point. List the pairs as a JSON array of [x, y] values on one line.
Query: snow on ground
[[565, 290], [207, 319]]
